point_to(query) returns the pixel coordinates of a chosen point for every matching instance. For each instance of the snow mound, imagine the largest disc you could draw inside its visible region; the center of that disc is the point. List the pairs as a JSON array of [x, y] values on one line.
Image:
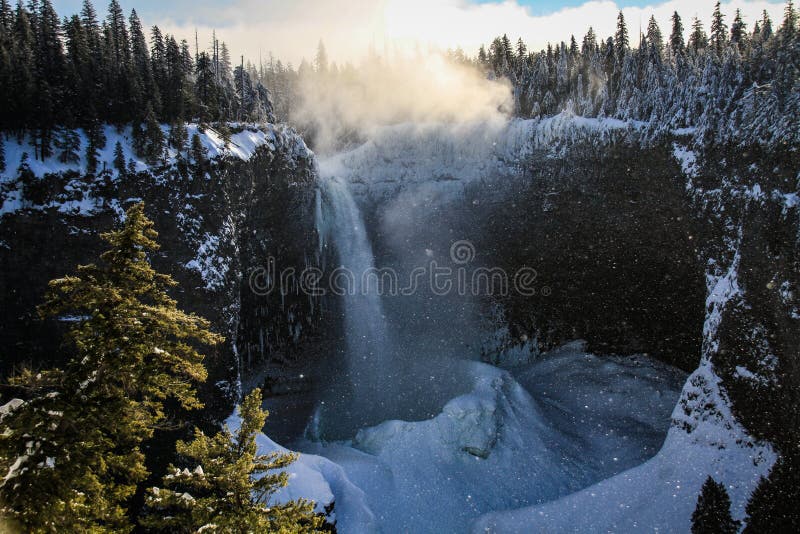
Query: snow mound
[[657, 496], [502, 446], [318, 479], [431, 476]]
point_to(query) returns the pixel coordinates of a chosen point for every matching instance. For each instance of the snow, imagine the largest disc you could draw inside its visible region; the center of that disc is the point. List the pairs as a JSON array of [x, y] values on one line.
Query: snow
[[684, 131], [687, 159], [746, 374], [790, 200], [10, 406], [15, 468], [12, 202], [657, 496], [213, 267], [529, 446], [15, 149], [520, 437]]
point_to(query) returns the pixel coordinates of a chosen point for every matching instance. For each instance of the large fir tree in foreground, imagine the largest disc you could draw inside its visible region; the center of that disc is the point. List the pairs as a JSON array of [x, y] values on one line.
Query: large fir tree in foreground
[[227, 486], [71, 445]]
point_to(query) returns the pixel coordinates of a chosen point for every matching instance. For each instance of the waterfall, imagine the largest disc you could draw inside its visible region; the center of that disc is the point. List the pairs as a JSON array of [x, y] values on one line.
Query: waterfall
[[367, 345]]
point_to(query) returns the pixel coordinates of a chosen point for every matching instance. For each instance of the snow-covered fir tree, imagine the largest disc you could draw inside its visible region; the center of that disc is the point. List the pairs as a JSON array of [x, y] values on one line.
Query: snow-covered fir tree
[[227, 486]]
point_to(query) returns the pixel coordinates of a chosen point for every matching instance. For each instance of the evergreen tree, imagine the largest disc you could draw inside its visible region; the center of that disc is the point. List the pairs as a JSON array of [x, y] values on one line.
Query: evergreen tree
[[766, 26], [719, 31], [144, 89], [789, 27], [713, 512], [508, 52], [158, 62], [118, 55], [187, 63], [6, 96], [78, 72], [22, 73], [48, 73], [698, 40], [26, 177], [654, 38], [589, 45], [206, 90], [138, 141], [96, 141], [225, 63], [228, 485], [248, 101], [739, 31], [119, 159], [787, 58], [71, 446], [621, 42], [483, 59], [522, 50], [79, 93], [573, 48], [6, 21], [93, 77], [178, 136], [68, 144], [199, 155], [774, 506], [62, 475], [497, 57], [89, 18], [174, 98], [609, 57], [153, 138], [321, 59]]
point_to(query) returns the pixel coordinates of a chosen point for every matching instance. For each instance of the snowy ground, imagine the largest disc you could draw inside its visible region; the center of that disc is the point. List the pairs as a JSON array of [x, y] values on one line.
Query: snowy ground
[[521, 437], [242, 145]]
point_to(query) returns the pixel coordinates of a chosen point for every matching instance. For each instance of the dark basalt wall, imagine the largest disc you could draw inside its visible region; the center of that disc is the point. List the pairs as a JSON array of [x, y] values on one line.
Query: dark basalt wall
[[612, 237]]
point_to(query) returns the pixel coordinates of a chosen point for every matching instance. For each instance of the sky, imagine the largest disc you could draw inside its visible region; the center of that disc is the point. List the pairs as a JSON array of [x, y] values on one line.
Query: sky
[[291, 29]]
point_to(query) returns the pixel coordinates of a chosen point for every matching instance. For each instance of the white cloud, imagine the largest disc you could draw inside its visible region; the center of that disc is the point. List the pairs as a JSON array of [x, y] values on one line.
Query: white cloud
[[291, 29]]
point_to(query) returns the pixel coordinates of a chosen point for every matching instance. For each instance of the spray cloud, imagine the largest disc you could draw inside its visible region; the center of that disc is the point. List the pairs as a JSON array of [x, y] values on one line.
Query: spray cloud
[[350, 104]]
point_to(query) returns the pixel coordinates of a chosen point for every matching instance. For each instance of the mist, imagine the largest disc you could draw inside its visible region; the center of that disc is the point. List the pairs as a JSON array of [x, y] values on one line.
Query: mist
[[337, 108]]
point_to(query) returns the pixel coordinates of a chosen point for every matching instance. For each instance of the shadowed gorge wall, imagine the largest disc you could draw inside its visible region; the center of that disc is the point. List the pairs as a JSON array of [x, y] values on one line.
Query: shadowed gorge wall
[[614, 243]]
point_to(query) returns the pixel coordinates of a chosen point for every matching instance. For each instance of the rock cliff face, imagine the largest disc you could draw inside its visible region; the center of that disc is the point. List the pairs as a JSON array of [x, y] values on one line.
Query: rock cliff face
[[217, 223]]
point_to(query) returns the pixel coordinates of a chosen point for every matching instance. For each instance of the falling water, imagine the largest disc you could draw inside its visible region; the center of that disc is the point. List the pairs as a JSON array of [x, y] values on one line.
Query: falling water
[[368, 366]]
